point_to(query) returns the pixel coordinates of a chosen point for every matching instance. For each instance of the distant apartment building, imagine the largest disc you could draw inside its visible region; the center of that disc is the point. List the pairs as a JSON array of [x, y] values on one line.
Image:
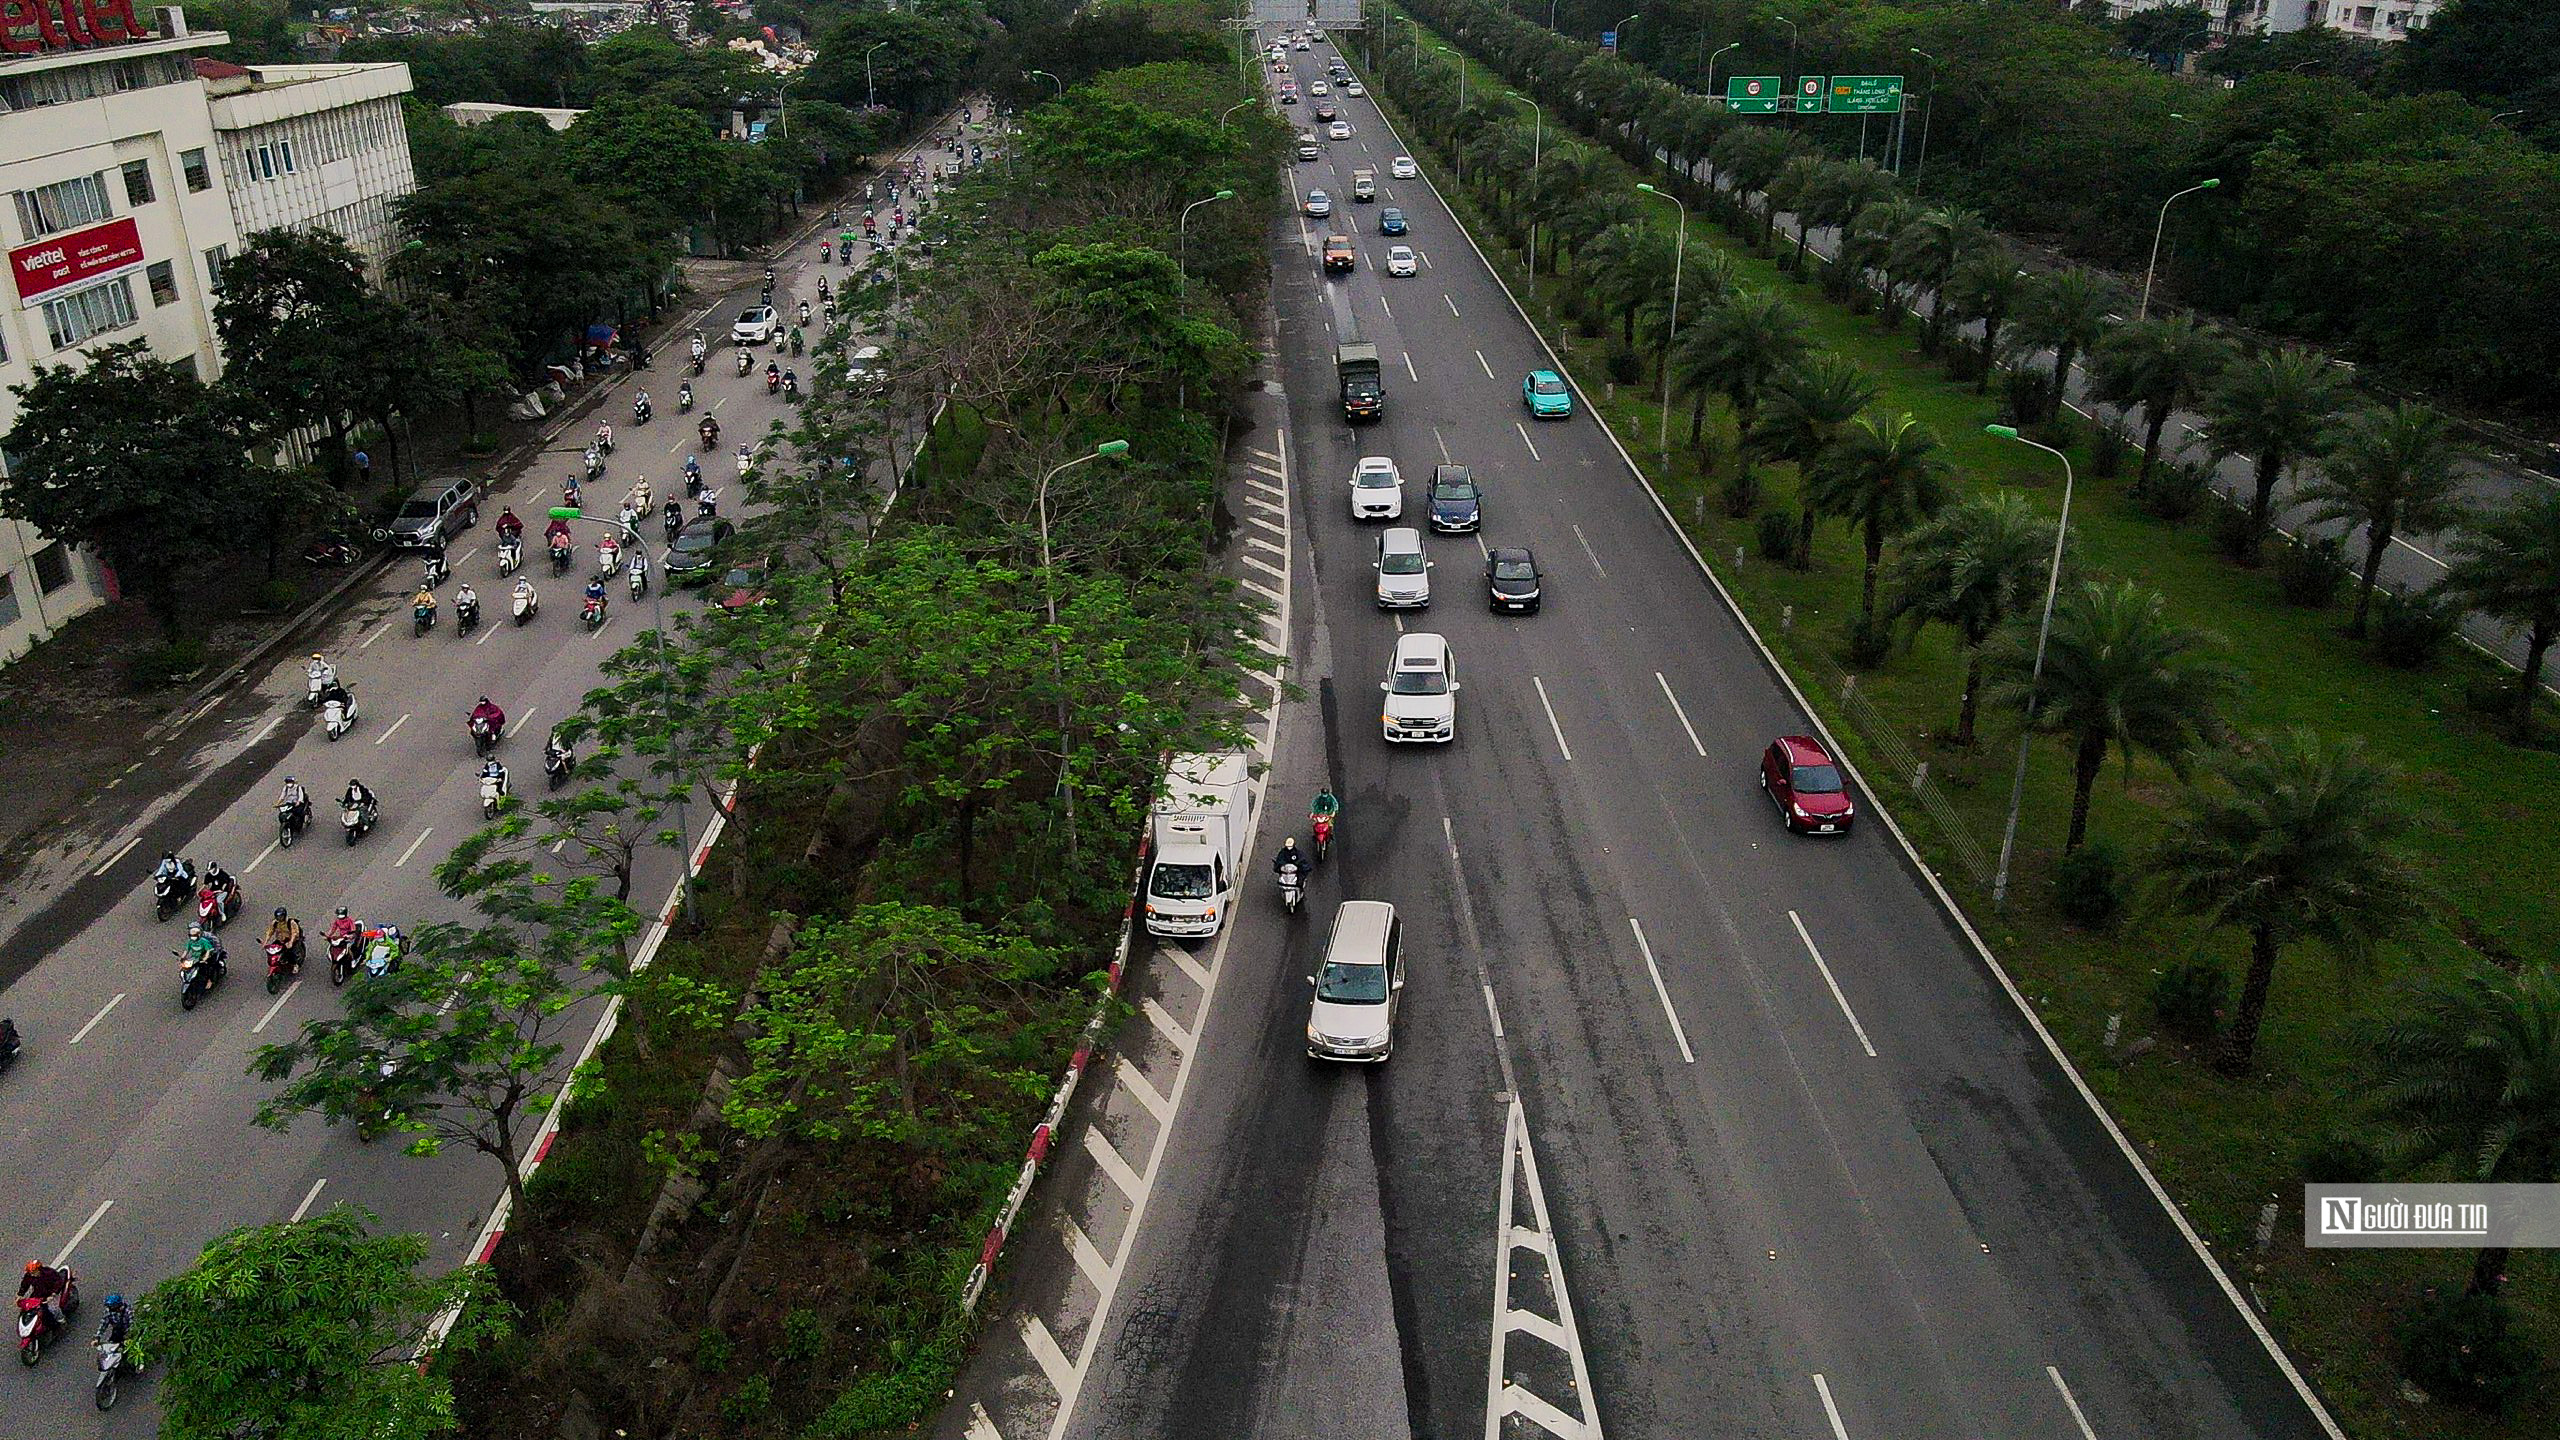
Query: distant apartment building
[[2384, 20]]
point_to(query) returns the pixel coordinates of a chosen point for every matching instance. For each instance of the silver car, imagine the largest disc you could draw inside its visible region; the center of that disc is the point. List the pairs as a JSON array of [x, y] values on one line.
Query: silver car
[[1404, 572], [1353, 1016]]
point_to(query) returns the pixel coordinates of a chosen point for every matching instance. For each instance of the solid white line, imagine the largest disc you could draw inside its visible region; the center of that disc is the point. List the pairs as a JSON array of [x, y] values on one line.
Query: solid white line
[[1587, 550], [1683, 714], [1487, 364], [1452, 304], [83, 1032], [1551, 716], [1837, 1429], [1816, 953], [488, 630], [1660, 991], [110, 862], [395, 726], [267, 730], [980, 1427], [430, 830], [2421, 554], [261, 1026], [520, 719], [385, 629], [83, 1232], [307, 1196], [2086, 1433], [1525, 440], [252, 866]]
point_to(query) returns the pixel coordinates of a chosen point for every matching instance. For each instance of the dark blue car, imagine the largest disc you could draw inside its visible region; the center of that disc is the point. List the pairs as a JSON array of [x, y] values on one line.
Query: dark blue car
[[1391, 221], [1457, 504]]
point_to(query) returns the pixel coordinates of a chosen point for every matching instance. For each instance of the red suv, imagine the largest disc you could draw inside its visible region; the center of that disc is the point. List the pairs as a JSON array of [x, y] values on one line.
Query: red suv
[[1805, 786]]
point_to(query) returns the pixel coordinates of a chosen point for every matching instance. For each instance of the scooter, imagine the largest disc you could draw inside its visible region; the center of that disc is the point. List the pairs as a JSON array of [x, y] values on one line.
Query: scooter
[[112, 1363], [331, 551], [337, 718], [526, 603], [342, 958], [283, 963], [510, 556], [422, 618], [640, 412], [684, 399], [383, 951], [199, 978], [604, 435], [772, 383], [608, 558], [557, 763], [466, 618], [639, 582], [746, 363], [560, 557], [36, 1326], [569, 495], [291, 821], [491, 792], [437, 571], [357, 820], [1323, 825], [216, 905], [593, 614], [595, 462], [168, 892], [484, 738], [314, 685], [709, 430], [1293, 889]]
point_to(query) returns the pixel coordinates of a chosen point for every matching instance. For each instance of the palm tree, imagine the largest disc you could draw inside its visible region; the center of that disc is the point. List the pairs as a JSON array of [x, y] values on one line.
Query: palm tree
[[2390, 471], [1736, 350], [1751, 159], [2158, 365], [1568, 176], [1929, 250], [1709, 280], [2118, 674], [2298, 841], [2470, 1073], [1987, 287], [2064, 311], [1874, 242], [2278, 405], [1800, 417], [1973, 568], [1886, 473], [1628, 263], [2507, 564], [1794, 189], [1842, 191]]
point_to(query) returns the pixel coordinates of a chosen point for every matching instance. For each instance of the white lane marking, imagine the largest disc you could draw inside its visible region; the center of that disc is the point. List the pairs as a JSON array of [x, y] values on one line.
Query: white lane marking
[[269, 729], [382, 630], [252, 866], [1551, 716], [1493, 1012], [467, 554], [1525, 440], [2421, 554], [1143, 1091], [110, 862], [1683, 714], [1818, 963], [82, 1233], [488, 630], [430, 830], [1088, 1257], [1121, 1172], [1487, 364], [980, 1427], [1442, 441], [261, 1026], [1824, 1389], [2086, 1433], [1409, 370], [1165, 1022], [1662, 991], [1044, 1348], [520, 719], [395, 727], [1425, 255], [308, 1195], [1587, 550], [1383, 305], [1452, 304], [83, 1032], [1506, 1397]]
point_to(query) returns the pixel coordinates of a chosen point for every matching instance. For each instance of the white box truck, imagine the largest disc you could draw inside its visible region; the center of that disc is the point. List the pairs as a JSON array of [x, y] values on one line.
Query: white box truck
[[1198, 838]]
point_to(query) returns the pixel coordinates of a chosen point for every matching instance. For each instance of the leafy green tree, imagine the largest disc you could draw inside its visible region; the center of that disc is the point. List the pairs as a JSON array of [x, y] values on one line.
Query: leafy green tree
[[1750, 160], [1973, 568], [2506, 564], [1737, 350], [304, 1331], [1630, 265], [257, 29], [1801, 418], [2119, 675], [2064, 311], [2167, 33], [134, 457], [1796, 189], [2279, 405], [2390, 472], [1884, 474], [2158, 365], [522, 243], [656, 159], [305, 339], [646, 63], [2499, 54], [2469, 1073], [2298, 839]]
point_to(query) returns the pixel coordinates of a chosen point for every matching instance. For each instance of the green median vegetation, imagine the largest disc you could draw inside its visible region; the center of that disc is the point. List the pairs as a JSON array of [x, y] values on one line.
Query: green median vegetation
[[2197, 714]]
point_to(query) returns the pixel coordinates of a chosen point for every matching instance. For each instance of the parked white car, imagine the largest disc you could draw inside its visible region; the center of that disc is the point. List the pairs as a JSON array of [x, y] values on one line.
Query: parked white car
[[1377, 489], [1400, 260]]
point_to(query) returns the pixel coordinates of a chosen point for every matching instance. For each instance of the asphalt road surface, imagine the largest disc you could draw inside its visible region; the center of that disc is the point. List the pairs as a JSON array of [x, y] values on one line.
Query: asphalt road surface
[[1809, 1170]]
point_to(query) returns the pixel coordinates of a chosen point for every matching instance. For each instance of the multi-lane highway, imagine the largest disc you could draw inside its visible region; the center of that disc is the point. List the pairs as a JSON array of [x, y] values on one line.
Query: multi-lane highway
[[1808, 1168]]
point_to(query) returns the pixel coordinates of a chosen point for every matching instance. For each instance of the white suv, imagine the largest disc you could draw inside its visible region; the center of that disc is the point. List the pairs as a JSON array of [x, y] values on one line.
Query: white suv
[[1377, 490], [1422, 691], [1404, 571], [756, 326], [1353, 1016], [1403, 168]]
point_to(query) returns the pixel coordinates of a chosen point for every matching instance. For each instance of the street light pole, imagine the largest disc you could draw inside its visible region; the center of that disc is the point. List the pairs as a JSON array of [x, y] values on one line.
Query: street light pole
[[1230, 110], [2035, 676], [1537, 157], [1711, 66], [1679, 256], [1049, 598], [870, 94], [2144, 313], [1928, 109], [1621, 30], [1182, 278], [1052, 79]]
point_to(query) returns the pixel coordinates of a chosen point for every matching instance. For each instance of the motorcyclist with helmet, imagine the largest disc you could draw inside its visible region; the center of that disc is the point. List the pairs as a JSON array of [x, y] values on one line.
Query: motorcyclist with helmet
[[49, 1284], [296, 799], [286, 931], [487, 716]]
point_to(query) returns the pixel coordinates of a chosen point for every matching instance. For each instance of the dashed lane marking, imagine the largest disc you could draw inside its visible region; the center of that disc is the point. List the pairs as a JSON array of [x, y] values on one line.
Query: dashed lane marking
[[1525, 440], [1694, 742], [1487, 364], [64, 1259], [1830, 1411], [413, 847], [1818, 963], [110, 862], [307, 1196], [261, 1026], [394, 730], [1452, 304], [2086, 1433], [1552, 723], [1587, 550], [83, 1032], [1661, 991], [1409, 370]]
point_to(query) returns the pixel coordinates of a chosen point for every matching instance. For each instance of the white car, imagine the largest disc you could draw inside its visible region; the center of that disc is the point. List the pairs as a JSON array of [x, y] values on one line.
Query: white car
[[1353, 1016], [1352, 87], [1339, 130], [1377, 489], [1318, 87], [868, 369], [1422, 691], [1400, 260], [755, 327], [1404, 569], [1403, 168], [1319, 204]]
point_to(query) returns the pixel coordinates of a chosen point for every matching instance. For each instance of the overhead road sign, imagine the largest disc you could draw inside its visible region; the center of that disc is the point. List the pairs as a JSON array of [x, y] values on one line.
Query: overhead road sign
[[1865, 95], [1752, 94]]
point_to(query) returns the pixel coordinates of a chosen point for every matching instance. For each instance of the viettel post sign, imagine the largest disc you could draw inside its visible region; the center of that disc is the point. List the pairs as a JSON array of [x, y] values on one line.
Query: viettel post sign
[[31, 27], [60, 260]]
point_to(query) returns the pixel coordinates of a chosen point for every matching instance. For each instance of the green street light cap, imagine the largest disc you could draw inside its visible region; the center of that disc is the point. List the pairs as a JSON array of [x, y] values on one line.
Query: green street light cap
[[2208, 184], [567, 512], [2005, 432], [1644, 187], [1112, 447], [1224, 195]]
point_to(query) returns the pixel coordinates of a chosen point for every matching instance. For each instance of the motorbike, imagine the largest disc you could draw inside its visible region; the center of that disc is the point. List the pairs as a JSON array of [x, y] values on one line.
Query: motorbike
[[9, 1043], [1323, 825], [342, 958], [383, 952], [595, 466], [525, 604], [1293, 889], [684, 399], [215, 906], [697, 362], [436, 570], [639, 582], [791, 387], [640, 412], [709, 430], [746, 363], [422, 618], [168, 892], [113, 1362], [675, 520], [330, 550], [593, 614], [357, 820], [604, 437], [484, 737], [557, 762], [315, 684], [510, 555], [772, 383], [608, 558], [283, 963], [338, 717], [491, 792], [559, 557], [37, 1327], [198, 978], [291, 821], [466, 618]]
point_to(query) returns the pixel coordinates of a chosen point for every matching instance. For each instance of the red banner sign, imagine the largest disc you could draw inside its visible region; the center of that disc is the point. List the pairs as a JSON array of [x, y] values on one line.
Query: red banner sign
[[59, 260], [28, 27]]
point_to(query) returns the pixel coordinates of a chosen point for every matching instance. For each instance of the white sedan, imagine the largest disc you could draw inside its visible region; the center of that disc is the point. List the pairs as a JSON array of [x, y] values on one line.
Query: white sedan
[[1403, 168], [1352, 87], [1400, 260], [1319, 204], [1377, 489], [1318, 87], [1339, 130]]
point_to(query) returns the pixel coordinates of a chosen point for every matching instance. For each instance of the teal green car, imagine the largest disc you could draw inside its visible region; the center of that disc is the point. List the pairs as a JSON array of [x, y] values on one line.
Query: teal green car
[[1547, 396]]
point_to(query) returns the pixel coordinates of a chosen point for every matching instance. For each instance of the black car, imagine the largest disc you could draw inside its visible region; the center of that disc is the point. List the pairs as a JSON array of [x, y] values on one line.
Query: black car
[[689, 559], [1391, 221], [1511, 581], [1457, 503]]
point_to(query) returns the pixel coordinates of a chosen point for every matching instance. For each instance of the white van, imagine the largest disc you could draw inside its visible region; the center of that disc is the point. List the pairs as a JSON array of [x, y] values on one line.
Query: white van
[[1404, 572], [1353, 1015]]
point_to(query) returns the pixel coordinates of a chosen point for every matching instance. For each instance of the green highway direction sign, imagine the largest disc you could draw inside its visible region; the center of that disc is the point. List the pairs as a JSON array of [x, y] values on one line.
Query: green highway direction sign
[[1862, 95], [1809, 94], [1752, 94]]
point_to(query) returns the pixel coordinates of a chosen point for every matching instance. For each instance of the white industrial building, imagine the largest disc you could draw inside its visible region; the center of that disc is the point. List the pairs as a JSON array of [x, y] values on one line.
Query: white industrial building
[[2384, 20]]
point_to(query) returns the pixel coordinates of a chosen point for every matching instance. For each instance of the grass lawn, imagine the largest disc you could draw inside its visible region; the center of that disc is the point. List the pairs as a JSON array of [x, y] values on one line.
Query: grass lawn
[[2224, 1149]]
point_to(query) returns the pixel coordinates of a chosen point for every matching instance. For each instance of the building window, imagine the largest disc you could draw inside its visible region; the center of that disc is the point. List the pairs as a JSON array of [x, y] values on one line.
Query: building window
[[137, 184], [214, 260], [94, 311], [199, 175], [53, 567], [8, 600], [284, 155], [81, 200], [164, 282]]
